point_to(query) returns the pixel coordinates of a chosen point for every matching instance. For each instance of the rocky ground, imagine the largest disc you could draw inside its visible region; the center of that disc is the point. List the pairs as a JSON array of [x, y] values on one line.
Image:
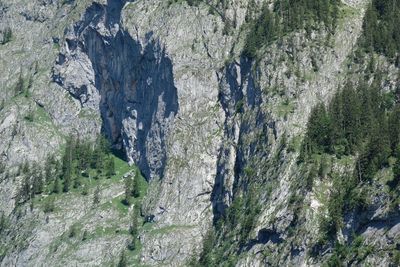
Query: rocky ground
[[166, 83]]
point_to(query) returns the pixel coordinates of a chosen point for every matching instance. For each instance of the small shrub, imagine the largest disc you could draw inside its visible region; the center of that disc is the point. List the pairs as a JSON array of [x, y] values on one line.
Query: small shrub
[[73, 231], [49, 205], [85, 235], [7, 35]]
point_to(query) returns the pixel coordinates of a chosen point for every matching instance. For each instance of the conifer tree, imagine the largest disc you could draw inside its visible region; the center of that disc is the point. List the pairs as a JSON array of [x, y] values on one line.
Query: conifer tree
[[66, 183], [67, 164], [24, 194], [208, 244], [3, 222], [2, 166], [128, 190], [2, 104], [110, 167], [96, 196], [56, 185], [77, 182], [136, 184], [394, 130], [134, 229], [48, 170], [19, 87], [37, 181], [396, 175], [122, 260]]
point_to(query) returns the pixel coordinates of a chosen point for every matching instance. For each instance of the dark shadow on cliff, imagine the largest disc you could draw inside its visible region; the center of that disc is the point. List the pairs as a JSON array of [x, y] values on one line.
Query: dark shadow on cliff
[[135, 83], [233, 100]]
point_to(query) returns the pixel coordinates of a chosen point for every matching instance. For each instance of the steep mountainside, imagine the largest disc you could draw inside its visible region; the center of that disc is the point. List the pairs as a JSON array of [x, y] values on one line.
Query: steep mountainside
[[266, 133]]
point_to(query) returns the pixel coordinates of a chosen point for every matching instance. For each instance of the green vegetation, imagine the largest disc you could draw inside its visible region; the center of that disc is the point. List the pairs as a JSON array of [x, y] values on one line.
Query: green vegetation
[[85, 168], [289, 16], [190, 2], [3, 222], [354, 252], [73, 231], [19, 86], [208, 245], [30, 116], [85, 160], [307, 14], [381, 32], [134, 230], [359, 121], [132, 187], [49, 205], [122, 260], [7, 35], [81, 163], [222, 243], [96, 196], [197, 2], [264, 30]]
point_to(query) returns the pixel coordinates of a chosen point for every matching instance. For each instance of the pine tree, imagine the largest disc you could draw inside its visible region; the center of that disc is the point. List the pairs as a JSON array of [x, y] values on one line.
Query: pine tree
[[19, 87], [95, 159], [37, 181], [352, 120], [84, 157], [366, 107], [57, 170], [85, 235], [337, 117], [110, 167], [96, 196], [49, 205], [67, 164], [24, 193], [48, 170], [3, 222], [7, 35], [380, 27], [396, 175], [375, 156], [77, 182], [56, 185], [394, 130], [2, 104], [104, 145], [26, 168], [318, 138], [128, 190], [2, 166], [100, 163], [122, 260], [66, 183], [208, 244], [136, 184], [133, 230]]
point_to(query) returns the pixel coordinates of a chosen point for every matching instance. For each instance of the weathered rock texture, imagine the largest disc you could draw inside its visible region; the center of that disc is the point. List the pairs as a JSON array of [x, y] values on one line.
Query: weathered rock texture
[[132, 87], [167, 84]]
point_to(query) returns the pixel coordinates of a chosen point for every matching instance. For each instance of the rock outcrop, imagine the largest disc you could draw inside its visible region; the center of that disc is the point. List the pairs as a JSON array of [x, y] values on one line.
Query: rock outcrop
[[210, 128], [130, 84]]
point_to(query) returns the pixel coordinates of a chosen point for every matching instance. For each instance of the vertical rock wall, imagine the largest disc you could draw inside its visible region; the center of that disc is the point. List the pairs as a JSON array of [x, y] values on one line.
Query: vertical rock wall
[[131, 84]]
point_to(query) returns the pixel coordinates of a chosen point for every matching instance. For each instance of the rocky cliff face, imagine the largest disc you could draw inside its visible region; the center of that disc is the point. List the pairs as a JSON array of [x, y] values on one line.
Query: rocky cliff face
[[132, 87], [211, 129]]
